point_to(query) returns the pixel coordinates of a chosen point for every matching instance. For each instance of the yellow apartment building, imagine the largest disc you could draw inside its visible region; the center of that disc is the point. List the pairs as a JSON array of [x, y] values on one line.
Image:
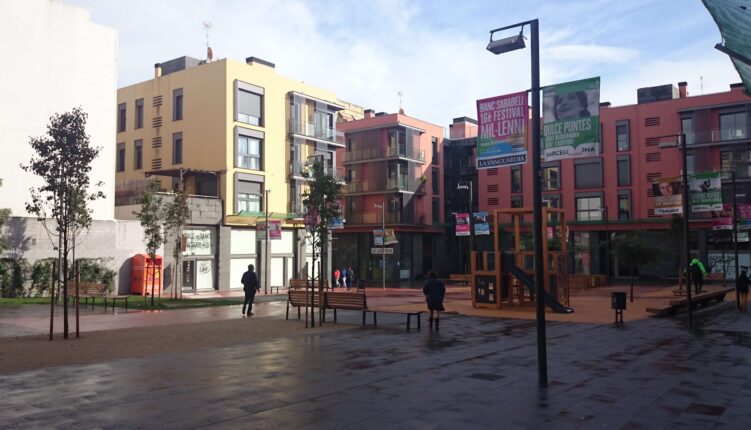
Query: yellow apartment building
[[236, 136]]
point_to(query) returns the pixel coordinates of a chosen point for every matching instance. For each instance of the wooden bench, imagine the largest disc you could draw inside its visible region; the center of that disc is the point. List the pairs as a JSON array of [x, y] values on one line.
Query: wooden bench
[[301, 298], [697, 300], [457, 277], [92, 290], [358, 302]]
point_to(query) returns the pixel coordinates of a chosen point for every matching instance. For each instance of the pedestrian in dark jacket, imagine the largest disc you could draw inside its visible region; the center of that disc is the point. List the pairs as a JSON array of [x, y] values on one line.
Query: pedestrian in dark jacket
[[697, 273], [250, 286], [742, 285], [434, 291], [350, 277]]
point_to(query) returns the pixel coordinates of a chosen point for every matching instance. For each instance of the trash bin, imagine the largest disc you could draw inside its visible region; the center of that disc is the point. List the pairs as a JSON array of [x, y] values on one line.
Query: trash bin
[[618, 300]]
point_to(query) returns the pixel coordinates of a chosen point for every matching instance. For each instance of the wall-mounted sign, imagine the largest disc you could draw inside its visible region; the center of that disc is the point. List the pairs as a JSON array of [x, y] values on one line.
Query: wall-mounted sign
[[198, 242], [379, 251]]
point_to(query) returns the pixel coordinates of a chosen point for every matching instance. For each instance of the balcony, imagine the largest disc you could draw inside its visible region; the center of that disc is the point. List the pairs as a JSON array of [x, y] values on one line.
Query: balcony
[[411, 154], [296, 169], [317, 131], [296, 207], [413, 185], [406, 216], [717, 135]]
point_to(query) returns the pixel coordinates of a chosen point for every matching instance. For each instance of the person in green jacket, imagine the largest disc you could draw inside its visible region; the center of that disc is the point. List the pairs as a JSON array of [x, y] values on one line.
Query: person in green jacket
[[697, 273]]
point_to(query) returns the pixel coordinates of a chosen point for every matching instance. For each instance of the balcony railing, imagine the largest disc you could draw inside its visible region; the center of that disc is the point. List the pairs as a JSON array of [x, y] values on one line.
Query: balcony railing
[[318, 131], [716, 135], [296, 168], [390, 152], [296, 207], [414, 185]]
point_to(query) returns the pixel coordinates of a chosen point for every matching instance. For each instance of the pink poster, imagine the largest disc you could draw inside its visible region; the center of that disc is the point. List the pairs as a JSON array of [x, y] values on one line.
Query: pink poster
[[462, 224]]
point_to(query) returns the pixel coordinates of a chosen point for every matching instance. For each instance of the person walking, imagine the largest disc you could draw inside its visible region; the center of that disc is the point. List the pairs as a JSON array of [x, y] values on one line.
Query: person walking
[[434, 291], [350, 277], [343, 276], [697, 273], [250, 286], [742, 285]]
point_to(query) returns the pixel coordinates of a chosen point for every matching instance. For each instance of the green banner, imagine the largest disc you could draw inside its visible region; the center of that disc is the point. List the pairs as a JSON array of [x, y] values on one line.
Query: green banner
[[571, 120], [705, 192]]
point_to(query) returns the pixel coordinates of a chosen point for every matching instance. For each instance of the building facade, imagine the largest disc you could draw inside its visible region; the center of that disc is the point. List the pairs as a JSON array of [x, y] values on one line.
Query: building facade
[[236, 136], [612, 192], [394, 173]]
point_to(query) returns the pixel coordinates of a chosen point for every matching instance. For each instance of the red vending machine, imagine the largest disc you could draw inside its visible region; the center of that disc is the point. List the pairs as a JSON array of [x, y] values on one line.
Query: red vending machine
[[141, 270]]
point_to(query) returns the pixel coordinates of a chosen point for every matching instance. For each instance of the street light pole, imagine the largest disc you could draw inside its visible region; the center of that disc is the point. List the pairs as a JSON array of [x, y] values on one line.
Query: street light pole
[[383, 241], [499, 47], [686, 238], [266, 245]]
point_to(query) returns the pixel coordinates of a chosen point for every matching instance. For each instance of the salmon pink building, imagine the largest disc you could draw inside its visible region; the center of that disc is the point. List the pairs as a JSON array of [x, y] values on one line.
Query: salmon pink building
[[611, 193], [394, 170]]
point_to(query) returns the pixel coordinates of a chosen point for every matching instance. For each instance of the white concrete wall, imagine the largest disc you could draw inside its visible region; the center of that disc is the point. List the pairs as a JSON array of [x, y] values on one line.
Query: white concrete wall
[[52, 59], [113, 241]]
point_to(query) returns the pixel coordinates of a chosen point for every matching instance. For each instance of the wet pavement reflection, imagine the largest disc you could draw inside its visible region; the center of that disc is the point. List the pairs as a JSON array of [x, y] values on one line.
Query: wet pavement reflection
[[474, 373]]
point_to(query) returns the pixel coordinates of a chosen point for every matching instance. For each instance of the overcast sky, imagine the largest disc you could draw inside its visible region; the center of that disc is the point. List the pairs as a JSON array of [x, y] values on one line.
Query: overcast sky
[[431, 51]]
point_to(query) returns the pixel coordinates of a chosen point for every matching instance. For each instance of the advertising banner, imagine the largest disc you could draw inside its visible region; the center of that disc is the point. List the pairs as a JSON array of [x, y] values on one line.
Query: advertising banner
[[744, 216], [502, 135], [462, 224], [378, 237], [723, 220], [275, 230], [480, 221], [668, 198], [571, 120], [705, 192], [336, 224]]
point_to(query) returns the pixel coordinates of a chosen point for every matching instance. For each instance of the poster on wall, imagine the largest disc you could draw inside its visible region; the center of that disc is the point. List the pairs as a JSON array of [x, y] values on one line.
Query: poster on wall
[[462, 224], [197, 242], [480, 221], [668, 198], [705, 192], [502, 135], [571, 120]]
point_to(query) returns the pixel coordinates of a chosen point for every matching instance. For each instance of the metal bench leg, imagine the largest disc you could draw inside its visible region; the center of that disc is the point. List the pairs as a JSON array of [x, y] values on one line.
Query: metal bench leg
[[375, 319], [287, 310], [418, 320], [298, 313], [363, 317], [409, 317], [335, 315], [126, 305]]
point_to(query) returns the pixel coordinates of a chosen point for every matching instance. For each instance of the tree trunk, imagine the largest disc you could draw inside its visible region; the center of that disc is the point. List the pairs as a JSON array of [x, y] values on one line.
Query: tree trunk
[[153, 279], [65, 283]]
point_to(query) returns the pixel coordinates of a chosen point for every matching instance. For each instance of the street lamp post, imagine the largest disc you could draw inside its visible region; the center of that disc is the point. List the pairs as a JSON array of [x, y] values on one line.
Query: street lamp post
[[498, 47], [266, 246], [383, 241]]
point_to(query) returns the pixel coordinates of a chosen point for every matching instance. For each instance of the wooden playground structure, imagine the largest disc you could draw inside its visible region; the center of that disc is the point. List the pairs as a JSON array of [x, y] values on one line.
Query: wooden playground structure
[[507, 277]]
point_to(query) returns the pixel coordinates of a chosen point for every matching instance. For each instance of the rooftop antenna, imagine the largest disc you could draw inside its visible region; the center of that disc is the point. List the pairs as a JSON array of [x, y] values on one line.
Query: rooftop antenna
[[701, 84], [209, 52], [400, 94]]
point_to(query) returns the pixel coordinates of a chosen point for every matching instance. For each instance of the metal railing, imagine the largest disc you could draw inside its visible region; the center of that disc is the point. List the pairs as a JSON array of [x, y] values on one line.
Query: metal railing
[[406, 216], [414, 185], [390, 152], [318, 131], [727, 134]]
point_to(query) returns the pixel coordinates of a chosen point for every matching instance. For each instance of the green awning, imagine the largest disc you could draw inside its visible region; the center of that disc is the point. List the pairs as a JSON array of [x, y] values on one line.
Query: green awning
[[733, 18]]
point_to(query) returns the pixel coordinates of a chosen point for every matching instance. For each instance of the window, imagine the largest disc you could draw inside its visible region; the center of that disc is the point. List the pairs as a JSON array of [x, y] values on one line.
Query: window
[[436, 180], [435, 151], [552, 200], [139, 113], [249, 196], [516, 179], [624, 171], [588, 173], [687, 128], [624, 205], [436, 210], [249, 152], [138, 155], [589, 208], [516, 202], [120, 157], [249, 107], [733, 126], [177, 148], [177, 104], [551, 178], [622, 136], [121, 117]]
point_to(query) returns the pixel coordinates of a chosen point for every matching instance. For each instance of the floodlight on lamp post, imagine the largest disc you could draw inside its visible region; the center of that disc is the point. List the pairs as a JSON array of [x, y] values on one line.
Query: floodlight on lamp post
[[501, 46]]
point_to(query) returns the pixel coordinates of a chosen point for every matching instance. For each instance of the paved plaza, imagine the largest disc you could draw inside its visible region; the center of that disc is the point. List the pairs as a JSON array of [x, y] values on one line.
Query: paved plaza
[[475, 373]]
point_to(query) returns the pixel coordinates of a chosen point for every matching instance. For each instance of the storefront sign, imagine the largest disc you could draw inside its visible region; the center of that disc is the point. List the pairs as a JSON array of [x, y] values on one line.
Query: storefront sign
[[480, 221], [502, 139], [462, 224], [380, 251], [571, 117], [706, 192], [667, 196]]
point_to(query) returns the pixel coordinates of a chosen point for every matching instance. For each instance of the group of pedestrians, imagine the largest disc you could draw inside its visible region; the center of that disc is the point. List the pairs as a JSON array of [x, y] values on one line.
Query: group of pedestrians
[[697, 273], [345, 278]]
